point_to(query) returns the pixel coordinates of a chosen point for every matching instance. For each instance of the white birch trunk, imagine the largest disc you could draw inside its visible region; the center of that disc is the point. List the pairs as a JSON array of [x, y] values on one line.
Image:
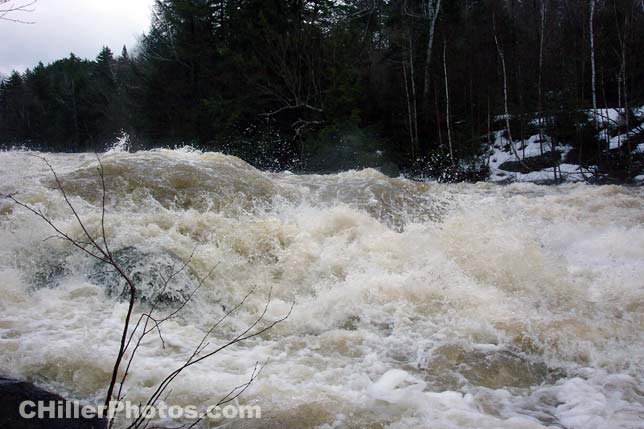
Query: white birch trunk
[[433, 9], [541, 38], [591, 31], [505, 95]]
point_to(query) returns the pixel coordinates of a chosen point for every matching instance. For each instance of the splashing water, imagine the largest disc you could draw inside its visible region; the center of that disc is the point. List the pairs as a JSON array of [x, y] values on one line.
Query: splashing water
[[122, 143], [416, 304]]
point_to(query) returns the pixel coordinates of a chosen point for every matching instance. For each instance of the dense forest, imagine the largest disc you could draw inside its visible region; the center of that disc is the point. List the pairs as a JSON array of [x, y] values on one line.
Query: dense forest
[[320, 85]]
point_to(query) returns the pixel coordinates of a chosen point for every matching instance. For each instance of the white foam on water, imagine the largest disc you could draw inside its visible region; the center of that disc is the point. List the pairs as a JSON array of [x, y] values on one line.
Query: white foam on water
[[416, 304]]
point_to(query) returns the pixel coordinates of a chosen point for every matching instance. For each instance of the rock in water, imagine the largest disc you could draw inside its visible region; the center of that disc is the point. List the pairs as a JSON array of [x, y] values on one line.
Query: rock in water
[[149, 271], [14, 392]]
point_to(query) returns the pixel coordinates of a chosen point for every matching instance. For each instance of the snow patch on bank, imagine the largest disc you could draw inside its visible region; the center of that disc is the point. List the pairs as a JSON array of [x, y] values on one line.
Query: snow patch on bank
[[532, 147], [612, 131]]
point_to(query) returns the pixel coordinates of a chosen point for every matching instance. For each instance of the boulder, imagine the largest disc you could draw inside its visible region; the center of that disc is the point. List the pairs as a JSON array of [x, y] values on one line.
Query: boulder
[[14, 392], [534, 163]]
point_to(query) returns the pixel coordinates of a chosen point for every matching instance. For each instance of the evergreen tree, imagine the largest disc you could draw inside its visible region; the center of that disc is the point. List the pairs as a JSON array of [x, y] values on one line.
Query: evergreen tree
[[288, 83]]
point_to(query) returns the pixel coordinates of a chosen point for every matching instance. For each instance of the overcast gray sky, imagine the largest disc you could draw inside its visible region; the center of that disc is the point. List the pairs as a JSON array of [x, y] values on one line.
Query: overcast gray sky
[[64, 26]]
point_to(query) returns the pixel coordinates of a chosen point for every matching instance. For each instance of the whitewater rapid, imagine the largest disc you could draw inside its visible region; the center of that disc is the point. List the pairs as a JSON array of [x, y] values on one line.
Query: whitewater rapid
[[416, 305]]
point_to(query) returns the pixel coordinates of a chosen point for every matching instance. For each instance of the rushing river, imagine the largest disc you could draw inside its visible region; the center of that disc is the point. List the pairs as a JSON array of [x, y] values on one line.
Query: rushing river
[[417, 305]]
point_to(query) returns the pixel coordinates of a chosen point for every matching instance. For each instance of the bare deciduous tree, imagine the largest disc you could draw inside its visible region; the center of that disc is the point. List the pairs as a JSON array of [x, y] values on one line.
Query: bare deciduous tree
[[433, 9], [11, 8], [623, 33], [449, 128], [591, 35], [429, 12], [410, 110], [543, 11], [499, 49], [411, 95]]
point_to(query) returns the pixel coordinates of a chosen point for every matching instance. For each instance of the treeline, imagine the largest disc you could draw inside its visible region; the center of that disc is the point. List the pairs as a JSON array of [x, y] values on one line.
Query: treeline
[[322, 84]]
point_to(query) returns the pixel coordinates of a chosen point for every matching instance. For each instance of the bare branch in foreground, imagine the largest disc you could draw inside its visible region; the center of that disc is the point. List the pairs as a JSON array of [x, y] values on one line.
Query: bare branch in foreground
[[148, 322], [11, 7]]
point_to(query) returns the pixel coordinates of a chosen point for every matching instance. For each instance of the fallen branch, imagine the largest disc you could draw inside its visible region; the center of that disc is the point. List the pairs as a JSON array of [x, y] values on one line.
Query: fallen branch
[[293, 107]]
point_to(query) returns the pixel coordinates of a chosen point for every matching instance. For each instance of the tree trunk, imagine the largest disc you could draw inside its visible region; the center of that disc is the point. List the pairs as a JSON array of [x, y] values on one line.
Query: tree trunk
[[591, 32], [411, 122], [541, 37], [625, 91], [449, 128], [414, 97], [438, 120], [433, 8], [499, 48]]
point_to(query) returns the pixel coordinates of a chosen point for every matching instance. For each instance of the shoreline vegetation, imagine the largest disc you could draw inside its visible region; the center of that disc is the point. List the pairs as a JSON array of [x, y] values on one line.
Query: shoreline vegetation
[[431, 89]]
